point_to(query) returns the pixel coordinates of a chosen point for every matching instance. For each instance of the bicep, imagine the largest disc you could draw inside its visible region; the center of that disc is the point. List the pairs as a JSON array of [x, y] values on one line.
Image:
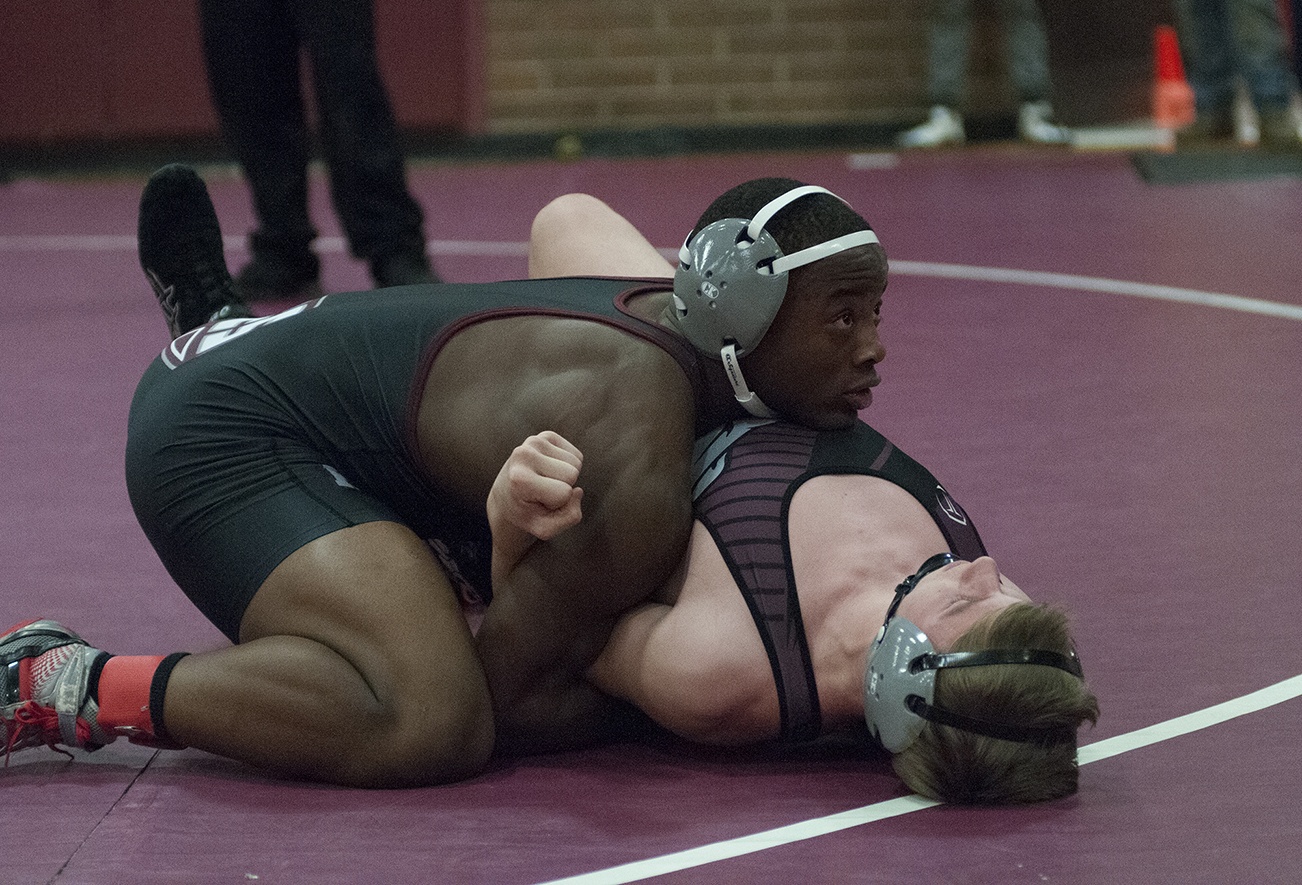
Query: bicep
[[630, 654], [676, 665], [646, 663]]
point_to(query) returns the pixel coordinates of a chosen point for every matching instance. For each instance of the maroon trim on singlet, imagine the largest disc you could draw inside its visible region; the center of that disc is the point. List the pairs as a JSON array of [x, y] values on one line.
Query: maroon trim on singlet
[[625, 321]]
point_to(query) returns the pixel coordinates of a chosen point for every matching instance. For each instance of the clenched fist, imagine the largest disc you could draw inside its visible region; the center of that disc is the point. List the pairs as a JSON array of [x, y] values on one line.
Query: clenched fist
[[535, 491]]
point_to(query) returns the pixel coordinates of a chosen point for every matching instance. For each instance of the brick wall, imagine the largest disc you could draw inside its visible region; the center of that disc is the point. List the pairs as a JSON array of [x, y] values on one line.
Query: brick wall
[[593, 64], [603, 64]]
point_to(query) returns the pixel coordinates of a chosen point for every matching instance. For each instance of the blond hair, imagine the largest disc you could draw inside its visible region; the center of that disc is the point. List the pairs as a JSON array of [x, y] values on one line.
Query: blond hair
[[953, 765]]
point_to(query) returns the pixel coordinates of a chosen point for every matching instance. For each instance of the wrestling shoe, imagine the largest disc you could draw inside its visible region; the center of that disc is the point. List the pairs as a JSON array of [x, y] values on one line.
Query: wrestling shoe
[[180, 243], [44, 689]]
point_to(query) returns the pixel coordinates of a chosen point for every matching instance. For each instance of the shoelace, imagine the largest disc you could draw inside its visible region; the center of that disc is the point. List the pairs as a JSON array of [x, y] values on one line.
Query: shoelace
[[213, 284], [30, 717]]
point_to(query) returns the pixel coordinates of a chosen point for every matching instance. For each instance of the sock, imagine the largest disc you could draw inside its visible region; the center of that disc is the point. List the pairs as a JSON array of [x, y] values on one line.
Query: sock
[[127, 688]]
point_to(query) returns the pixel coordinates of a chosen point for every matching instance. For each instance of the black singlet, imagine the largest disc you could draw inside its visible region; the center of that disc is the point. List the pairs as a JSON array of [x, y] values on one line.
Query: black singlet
[[746, 476], [248, 438]]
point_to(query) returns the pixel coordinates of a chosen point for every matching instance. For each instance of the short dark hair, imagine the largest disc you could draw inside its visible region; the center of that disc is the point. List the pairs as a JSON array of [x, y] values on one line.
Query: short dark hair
[[958, 766], [806, 222]]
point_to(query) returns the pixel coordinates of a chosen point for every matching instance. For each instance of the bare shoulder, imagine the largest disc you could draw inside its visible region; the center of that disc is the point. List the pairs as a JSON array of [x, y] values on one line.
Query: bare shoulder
[[632, 416], [625, 404], [722, 692], [628, 407], [856, 504], [622, 400], [849, 531]]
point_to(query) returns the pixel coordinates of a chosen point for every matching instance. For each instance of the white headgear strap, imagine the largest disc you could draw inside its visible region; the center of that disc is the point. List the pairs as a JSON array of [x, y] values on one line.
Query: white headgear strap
[[749, 400], [813, 253]]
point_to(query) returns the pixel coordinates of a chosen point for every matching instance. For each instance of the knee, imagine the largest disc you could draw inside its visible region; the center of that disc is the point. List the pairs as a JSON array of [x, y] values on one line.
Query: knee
[[455, 746], [569, 237], [423, 743], [566, 214]]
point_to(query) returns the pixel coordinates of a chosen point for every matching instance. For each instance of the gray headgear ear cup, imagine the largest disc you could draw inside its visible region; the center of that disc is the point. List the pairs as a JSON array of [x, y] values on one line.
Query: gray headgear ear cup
[[900, 688], [720, 295], [732, 276], [890, 680]]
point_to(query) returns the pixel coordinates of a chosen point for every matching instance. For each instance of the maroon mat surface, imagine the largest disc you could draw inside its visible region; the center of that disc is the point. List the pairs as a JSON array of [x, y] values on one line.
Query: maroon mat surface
[[1128, 445]]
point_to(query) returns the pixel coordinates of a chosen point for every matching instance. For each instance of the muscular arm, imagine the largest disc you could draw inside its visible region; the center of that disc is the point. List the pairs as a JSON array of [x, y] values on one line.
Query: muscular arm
[[553, 609], [535, 497], [696, 667]]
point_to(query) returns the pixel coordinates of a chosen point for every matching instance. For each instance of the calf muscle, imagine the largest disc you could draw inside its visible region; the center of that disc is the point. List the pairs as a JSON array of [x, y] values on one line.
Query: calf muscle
[[355, 666]]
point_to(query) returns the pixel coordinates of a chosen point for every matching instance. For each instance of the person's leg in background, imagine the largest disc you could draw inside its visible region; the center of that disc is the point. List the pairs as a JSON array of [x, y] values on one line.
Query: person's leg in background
[[251, 50], [381, 219], [1203, 27], [1295, 26], [951, 25], [1028, 60], [1262, 56]]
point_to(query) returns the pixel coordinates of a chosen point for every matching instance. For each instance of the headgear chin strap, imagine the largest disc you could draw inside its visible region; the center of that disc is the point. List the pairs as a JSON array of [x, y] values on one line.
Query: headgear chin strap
[[900, 686], [732, 277], [749, 400]]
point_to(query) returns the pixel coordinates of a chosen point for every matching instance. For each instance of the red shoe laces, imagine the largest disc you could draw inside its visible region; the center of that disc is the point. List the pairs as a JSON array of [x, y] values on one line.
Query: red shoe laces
[[44, 721]]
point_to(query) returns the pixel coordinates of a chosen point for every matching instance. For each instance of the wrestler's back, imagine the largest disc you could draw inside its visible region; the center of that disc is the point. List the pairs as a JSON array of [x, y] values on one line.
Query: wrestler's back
[[614, 395], [630, 409]]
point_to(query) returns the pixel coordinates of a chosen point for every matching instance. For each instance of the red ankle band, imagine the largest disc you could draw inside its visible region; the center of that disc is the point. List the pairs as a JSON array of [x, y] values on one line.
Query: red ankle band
[[124, 695]]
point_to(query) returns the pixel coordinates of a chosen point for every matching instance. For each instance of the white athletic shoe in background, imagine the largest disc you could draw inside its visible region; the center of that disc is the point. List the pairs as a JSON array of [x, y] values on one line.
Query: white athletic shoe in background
[[942, 127], [1035, 124]]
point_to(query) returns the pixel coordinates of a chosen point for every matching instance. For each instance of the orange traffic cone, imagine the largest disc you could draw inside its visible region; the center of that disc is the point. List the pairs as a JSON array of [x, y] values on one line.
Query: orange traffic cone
[[1173, 98]]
